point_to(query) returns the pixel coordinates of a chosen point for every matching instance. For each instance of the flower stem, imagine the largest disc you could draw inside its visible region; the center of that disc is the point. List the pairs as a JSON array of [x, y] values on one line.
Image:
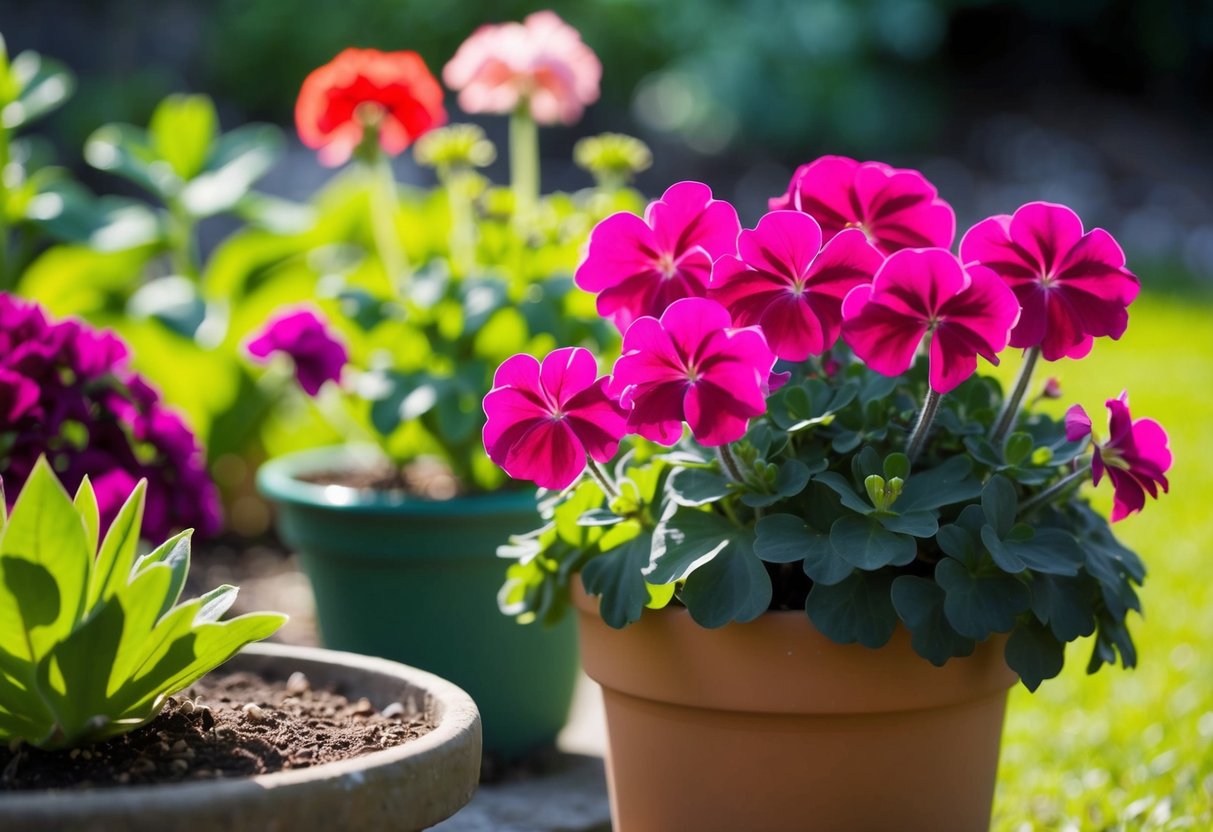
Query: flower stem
[[604, 480], [383, 209], [922, 428], [524, 166], [7, 280], [1010, 406], [1057, 488], [463, 228], [729, 463]]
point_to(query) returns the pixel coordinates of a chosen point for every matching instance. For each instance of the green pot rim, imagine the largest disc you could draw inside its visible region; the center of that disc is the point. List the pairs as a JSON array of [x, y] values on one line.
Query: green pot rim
[[278, 480]]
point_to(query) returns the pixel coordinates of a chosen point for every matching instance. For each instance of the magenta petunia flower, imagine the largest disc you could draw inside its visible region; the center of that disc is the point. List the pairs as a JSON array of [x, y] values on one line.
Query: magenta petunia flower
[[1136, 456], [896, 207], [692, 366], [305, 337], [919, 291], [785, 282], [544, 418], [18, 396], [1073, 287], [640, 266]]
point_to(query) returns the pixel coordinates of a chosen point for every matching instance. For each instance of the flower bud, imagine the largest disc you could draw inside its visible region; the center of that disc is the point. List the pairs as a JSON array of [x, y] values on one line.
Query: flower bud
[[613, 159], [459, 146]]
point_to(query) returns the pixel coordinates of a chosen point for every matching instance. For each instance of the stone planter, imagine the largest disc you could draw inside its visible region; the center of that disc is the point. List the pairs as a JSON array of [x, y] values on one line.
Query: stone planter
[[408, 787], [770, 725]]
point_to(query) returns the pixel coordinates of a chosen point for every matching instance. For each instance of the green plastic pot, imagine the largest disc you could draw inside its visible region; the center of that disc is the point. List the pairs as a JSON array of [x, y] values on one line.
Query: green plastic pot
[[416, 581]]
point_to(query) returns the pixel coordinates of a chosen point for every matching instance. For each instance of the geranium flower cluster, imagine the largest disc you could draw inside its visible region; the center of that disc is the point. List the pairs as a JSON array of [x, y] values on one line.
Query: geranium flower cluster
[[66, 391], [857, 252]]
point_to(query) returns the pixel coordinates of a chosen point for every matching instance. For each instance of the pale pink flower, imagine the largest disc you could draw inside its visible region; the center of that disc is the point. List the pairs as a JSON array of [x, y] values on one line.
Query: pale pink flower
[[541, 62], [1136, 456]]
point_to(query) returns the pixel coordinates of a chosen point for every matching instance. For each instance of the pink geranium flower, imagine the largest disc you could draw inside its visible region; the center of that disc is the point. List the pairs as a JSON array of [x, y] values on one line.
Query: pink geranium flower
[[305, 337], [897, 208], [1136, 456], [540, 62], [785, 282], [919, 291], [692, 366], [544, 418], [640, 266], [1073, 287]]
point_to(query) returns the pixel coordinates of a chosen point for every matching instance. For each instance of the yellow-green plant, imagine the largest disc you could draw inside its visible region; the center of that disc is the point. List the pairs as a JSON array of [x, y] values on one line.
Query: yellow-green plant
[[92, 639]]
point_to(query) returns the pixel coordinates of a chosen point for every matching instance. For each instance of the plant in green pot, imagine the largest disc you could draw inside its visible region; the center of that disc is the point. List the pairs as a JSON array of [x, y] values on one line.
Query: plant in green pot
[[829, 546], [398, 529]]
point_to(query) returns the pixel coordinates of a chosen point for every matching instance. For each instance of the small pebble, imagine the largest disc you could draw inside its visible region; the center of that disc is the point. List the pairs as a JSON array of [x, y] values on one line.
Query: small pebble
[[179, 747], [254, 712], [179, 766], [187, 707], [86, 754], [123, 777], [363, 707], [75, 752], [142, 766], [394, 710], [297, 683]]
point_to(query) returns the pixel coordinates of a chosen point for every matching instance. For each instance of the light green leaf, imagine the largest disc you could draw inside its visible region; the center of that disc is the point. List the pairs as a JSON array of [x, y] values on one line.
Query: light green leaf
[[181, 132], [117, 555], [237, 160], [86, 506]]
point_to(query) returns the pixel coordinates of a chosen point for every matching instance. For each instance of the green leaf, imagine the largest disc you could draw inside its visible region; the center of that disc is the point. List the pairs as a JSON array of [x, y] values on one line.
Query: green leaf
[[940, 486], [857, 609], [215, 603], [1034, 653], [732, 586], [1000, 504], [175, 554], [618, 577], [117, 555], [791, 479], [172, 300], [1065, 604], [43, 85], [697, 486], [86, 506], [1043, 550], [122, 149], [919, 603], [44, 538], [896, 465], [181, 131], [982, 602], [237, 159], [915, 523], [864, 543], [1018, 447], [838, 484], [785, 538], [686, 540]]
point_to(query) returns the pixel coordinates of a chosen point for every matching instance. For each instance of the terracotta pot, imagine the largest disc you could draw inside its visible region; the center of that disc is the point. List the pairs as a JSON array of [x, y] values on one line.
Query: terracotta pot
[[772, 726], [409, 787]]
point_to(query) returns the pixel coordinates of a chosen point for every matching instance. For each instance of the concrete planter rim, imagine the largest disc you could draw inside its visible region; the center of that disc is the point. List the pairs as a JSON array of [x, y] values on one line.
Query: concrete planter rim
[[457, 731], [278, 480]]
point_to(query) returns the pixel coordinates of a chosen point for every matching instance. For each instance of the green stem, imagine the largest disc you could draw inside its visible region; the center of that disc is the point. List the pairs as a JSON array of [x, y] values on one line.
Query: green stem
[[384, 208], [463, 228], [604, 479], [1010, 407], [1057, 489], [7, 280], [182, 248], [524, 166], [729, 463], [922, 428]]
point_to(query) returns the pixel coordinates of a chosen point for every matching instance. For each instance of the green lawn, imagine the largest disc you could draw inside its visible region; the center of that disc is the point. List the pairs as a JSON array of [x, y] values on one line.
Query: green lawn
[[1134, 749]]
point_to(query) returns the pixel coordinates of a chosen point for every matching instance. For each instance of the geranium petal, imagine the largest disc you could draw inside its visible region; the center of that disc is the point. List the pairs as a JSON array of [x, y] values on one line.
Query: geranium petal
[[783, 243], [657, 411], [548, 454], [1078, 423], [566, 372], [953, 358], [1128, 496], [1046, 232], [792, 328], [716, 415], [598, 421], [690, 321], [620, 246], [823, 189]]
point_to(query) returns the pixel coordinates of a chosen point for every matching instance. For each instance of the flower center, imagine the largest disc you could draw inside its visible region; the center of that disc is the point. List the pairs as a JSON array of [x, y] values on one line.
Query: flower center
[[1048, 280], [665, 265]]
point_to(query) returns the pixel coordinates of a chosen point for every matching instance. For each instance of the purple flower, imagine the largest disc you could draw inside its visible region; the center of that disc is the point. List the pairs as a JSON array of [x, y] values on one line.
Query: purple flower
[[692, 366], [640, 266], [1135, 457], [305, 337]]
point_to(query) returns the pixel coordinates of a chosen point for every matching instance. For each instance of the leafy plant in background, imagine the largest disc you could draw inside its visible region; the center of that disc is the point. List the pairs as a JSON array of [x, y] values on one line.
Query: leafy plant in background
[[461, 276], [68, 396], [844, 457], [92, 639]]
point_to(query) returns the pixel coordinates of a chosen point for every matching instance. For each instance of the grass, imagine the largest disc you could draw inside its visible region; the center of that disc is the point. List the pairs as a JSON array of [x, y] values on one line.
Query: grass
[[1133, 750]]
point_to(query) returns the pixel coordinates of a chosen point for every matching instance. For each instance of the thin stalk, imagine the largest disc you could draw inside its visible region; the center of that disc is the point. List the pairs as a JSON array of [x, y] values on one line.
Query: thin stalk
[[922, 428], [7, 280], [463, 228], [1057, 489], [183, 252], [1010, 407], [524, 166], [604, 479], [383, 210], [729, 463]]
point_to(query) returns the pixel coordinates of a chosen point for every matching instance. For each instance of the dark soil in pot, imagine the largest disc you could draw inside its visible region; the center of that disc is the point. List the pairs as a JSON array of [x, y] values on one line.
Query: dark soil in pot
[[226, 725]]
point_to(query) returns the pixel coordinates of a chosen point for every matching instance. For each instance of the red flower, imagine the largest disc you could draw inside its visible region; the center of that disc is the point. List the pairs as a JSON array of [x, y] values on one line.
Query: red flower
[[392, 92]]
